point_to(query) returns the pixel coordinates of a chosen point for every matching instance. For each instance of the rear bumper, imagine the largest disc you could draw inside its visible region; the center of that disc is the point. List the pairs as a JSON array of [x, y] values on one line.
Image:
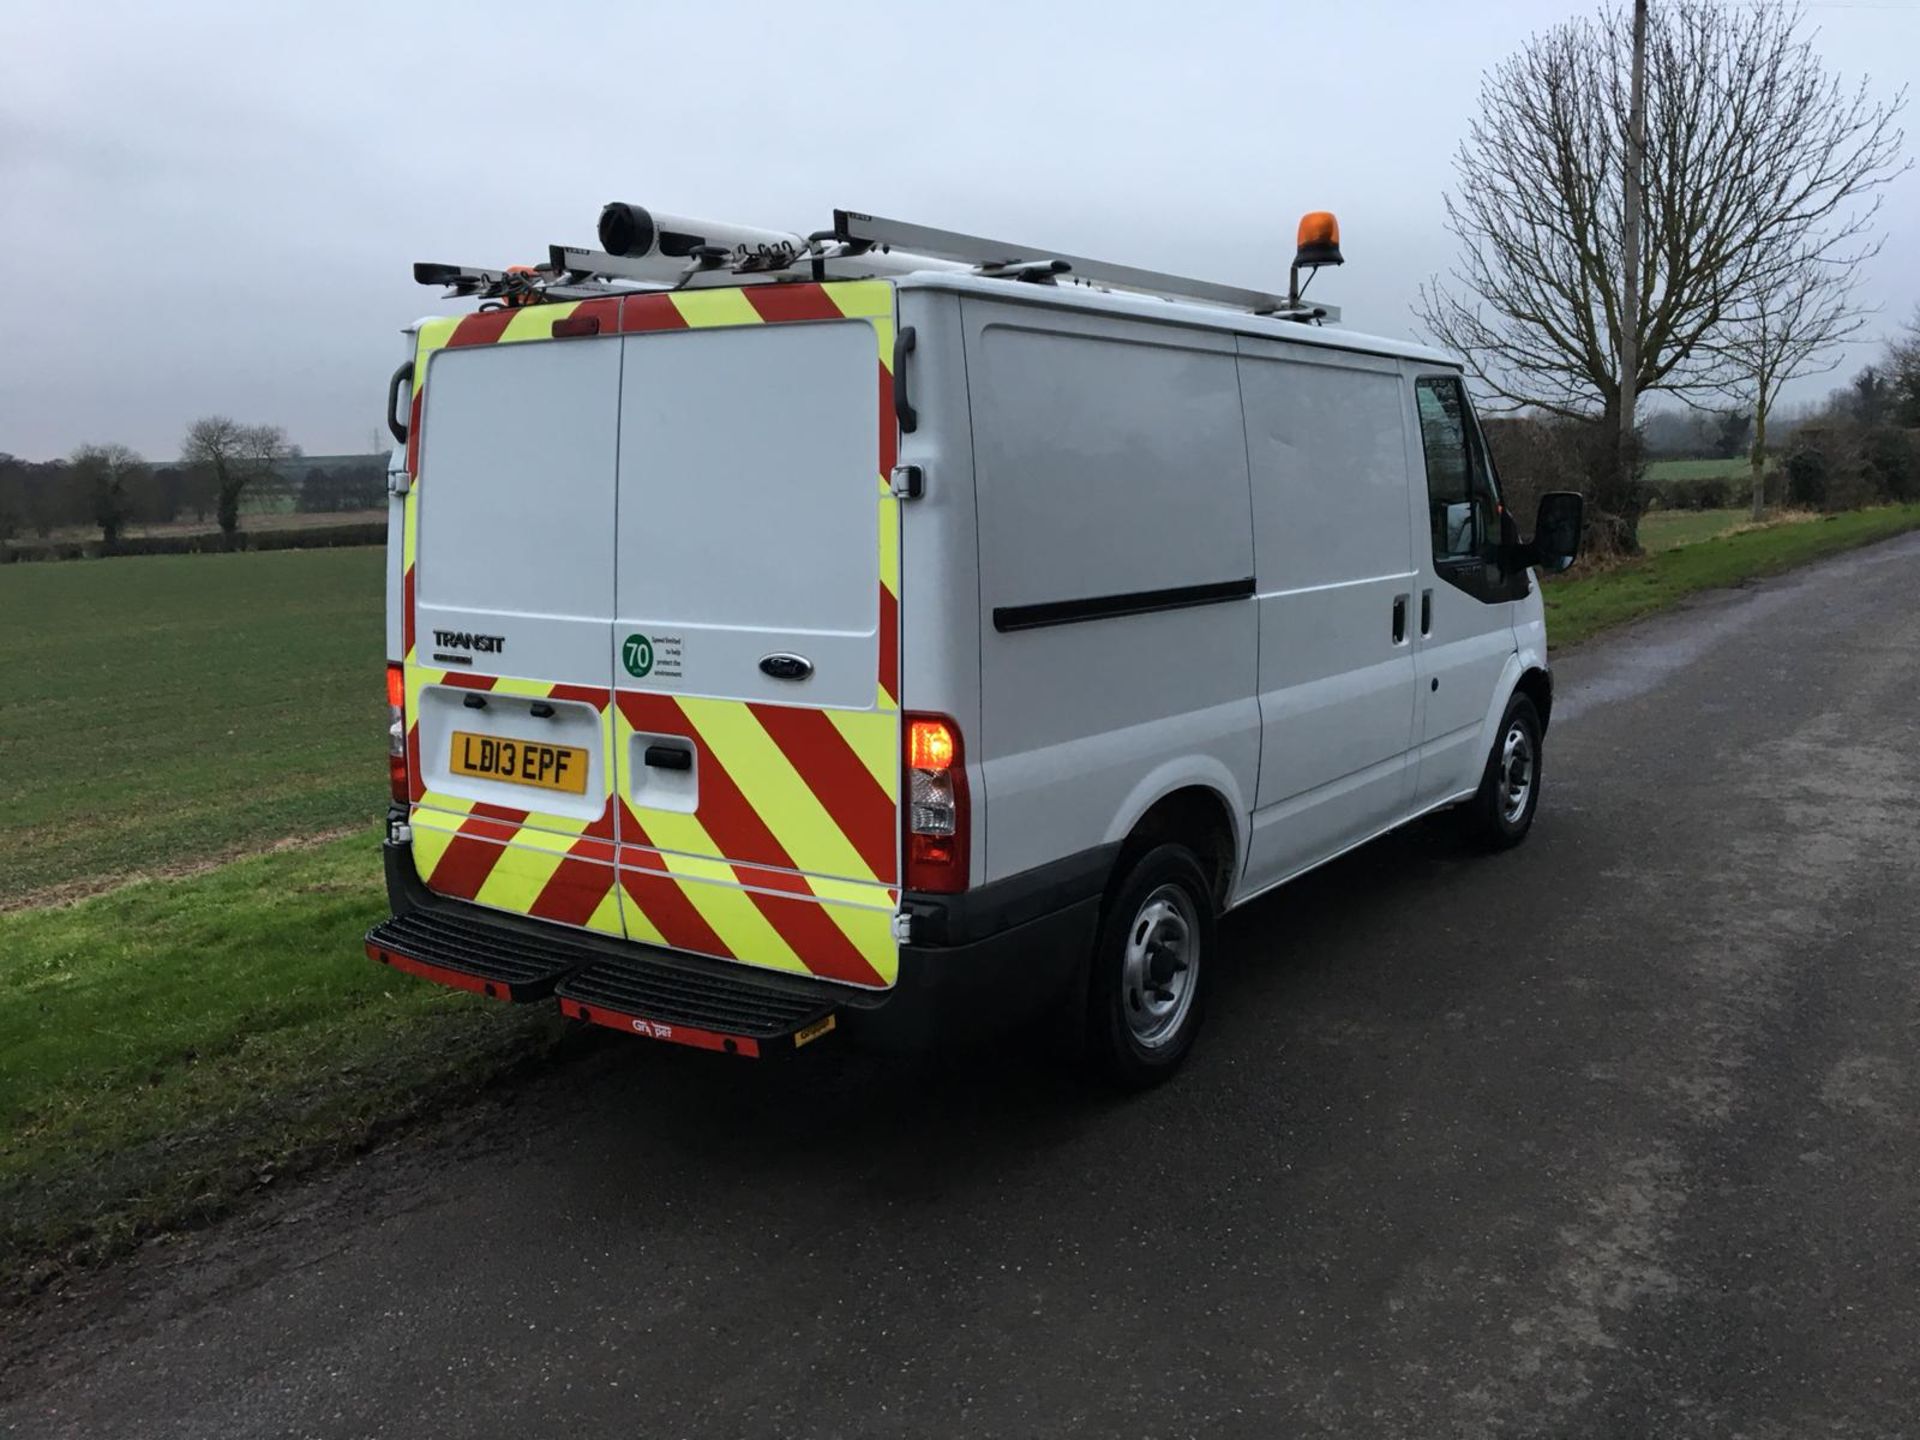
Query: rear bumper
[[996, 957]]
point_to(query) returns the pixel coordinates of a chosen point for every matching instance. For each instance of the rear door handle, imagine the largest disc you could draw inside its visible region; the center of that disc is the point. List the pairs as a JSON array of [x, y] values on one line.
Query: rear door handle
[[1399, 619], [903, 411], [669, 757], [400, 379]]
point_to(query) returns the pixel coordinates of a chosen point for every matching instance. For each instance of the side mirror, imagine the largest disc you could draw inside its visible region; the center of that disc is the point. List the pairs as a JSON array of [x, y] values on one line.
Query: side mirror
[[1557, 526]]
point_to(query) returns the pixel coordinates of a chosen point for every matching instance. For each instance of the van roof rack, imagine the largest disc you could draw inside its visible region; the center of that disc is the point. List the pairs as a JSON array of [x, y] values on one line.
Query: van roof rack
[[1036, 263], [664, 252], [516, 285]]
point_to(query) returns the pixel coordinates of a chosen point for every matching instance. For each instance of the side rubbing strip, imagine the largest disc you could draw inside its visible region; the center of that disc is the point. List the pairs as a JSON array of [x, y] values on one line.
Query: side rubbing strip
[[1104, 607]]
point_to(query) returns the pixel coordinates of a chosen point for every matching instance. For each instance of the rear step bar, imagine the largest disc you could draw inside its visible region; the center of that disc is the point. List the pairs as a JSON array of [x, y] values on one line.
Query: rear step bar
[[682, 999], [738, 1014], [471, 955]]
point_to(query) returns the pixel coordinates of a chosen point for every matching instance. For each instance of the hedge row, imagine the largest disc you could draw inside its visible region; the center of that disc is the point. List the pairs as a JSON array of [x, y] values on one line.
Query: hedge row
[[311, 537]]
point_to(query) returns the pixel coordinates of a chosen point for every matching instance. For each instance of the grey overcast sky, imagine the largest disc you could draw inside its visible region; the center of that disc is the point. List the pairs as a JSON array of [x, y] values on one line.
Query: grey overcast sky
[[214, 207]]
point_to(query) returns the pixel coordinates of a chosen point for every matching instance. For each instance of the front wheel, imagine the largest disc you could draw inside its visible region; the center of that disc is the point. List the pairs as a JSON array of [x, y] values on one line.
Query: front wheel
[[1500, 814], [1148, 985]]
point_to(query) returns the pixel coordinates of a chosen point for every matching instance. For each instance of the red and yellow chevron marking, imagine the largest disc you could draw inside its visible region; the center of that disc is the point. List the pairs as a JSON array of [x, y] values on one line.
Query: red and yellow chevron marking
[[529, 862], [518, 869], [790, 861], [794, 789], [796, 815], [776, 919]]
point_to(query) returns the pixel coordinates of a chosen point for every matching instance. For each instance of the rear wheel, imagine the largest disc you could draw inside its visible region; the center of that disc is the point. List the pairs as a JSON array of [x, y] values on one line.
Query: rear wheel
[[1500, 815], [1146, 992]]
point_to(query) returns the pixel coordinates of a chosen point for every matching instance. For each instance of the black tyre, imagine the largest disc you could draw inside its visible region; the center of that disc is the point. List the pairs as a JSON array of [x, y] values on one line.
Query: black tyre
[[1499, 816], [1147, 988]]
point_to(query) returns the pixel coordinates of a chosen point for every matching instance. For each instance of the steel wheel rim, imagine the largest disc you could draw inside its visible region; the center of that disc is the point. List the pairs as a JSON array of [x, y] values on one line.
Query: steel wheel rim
[[1517, 769], [1160, 967]]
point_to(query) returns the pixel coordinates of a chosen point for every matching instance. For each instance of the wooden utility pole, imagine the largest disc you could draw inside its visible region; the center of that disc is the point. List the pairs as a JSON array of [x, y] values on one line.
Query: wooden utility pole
[[1630, 246]]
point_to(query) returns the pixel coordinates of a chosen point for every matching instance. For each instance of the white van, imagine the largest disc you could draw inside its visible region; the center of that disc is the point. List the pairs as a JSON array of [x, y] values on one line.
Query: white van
[[782, 653]]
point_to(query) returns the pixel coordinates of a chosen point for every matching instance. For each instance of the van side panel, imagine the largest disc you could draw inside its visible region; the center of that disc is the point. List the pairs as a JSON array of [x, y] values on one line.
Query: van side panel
[[1118, 637], [939, 544], [1333, 536]]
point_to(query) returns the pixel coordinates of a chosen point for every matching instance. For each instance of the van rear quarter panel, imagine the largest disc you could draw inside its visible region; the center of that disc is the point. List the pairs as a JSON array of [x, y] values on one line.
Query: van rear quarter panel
[[1108, 459], [939, 543]]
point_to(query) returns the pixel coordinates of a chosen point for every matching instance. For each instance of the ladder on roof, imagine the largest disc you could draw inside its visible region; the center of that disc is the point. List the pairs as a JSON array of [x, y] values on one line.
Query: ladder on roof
[[1033, 262], [647, 251]]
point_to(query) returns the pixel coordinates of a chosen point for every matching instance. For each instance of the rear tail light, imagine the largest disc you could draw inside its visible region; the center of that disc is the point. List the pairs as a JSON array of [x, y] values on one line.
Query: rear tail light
[[936, 841], [397, 733]]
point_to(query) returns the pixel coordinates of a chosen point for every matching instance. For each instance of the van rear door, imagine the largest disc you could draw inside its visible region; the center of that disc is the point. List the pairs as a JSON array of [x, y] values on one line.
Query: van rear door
[[755, 638], [508, 604]]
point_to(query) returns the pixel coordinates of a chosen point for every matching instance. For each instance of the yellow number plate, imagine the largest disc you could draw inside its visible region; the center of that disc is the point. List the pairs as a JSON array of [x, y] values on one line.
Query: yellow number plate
[[520, 762]]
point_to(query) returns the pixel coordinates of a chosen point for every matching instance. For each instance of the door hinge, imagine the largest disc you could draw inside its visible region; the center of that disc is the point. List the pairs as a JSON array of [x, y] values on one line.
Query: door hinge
[[903, 928], [909, 482], [398, 482], [400, 833]]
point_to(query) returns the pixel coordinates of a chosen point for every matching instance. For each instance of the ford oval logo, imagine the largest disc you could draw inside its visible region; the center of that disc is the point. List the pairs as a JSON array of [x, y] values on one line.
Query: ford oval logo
[[786, 666]]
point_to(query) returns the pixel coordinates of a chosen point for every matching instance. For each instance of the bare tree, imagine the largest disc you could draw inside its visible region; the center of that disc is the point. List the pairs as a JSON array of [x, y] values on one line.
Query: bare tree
[[236, 456], [108, 471], [1791, 330], [1755, 158]]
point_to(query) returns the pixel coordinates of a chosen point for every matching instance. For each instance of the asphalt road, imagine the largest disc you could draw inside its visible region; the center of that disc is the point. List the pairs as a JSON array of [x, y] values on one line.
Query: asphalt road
[[1618, 1134]]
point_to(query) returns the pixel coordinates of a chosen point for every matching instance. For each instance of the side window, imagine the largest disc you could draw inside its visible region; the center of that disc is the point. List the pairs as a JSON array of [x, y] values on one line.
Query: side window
[[1463, 511]]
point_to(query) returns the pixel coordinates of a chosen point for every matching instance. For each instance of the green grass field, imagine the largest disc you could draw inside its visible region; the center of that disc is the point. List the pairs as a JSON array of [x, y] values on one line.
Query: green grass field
[[1669, 529], [1733, 468], [166, 709]]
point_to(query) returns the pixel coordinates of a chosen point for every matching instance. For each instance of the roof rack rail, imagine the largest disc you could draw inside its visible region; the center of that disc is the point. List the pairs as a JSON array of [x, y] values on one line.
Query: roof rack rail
[[1031, 262], [652, 251]]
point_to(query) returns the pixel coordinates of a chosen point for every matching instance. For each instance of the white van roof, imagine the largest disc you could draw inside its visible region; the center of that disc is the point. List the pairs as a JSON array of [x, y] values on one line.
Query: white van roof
[[1170, 311], [652, 250]]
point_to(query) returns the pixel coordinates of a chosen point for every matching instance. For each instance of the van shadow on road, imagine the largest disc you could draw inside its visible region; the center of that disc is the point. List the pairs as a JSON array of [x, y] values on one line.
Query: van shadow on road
[[1301, 964]]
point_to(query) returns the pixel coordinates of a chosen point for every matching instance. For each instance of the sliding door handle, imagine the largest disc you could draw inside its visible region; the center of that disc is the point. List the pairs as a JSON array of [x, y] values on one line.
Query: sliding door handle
[[1399, 619]]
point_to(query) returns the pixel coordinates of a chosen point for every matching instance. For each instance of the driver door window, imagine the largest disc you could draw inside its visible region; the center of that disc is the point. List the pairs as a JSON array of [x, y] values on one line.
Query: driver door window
[[1464, 519]]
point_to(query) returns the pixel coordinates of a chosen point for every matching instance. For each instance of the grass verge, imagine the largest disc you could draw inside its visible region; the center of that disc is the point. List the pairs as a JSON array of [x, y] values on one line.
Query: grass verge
[[169, 1047], [1581, 607]]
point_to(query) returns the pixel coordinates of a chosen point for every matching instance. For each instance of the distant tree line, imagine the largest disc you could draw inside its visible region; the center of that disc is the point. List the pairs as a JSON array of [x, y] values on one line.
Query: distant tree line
[[1861, 446], [224, 468], [1698, 434]]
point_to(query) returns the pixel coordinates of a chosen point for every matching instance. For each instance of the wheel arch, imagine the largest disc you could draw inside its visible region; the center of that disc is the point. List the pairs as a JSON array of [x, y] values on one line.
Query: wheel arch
[[1536, 683], [1197, 815]]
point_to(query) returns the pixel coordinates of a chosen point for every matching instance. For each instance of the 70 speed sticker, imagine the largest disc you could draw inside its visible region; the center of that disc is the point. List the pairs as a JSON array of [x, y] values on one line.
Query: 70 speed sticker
[[645, 655]]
